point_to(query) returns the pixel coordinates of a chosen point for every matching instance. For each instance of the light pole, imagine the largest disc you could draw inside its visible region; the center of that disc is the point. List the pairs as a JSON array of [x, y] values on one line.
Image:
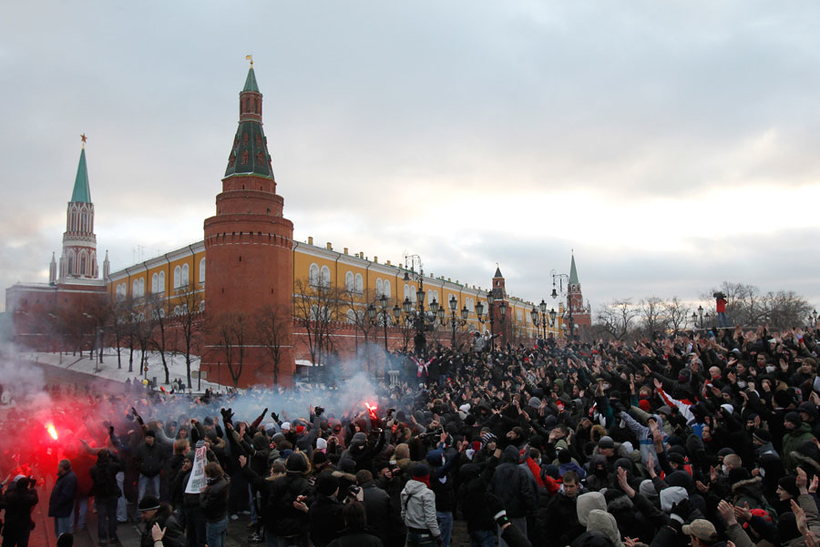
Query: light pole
[[384, 312], [455, 321], [558, 289], [700, 314], [419, 317], [479, 310]]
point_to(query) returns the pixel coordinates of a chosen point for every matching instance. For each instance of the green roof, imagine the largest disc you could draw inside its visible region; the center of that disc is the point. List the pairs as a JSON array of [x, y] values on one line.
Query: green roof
[[497, 272], [82, 192], [573, 273], [250, 82]]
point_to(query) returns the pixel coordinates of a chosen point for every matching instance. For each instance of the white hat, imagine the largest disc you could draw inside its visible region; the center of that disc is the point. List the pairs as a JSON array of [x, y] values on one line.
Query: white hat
[[285, 426], [321, 444]]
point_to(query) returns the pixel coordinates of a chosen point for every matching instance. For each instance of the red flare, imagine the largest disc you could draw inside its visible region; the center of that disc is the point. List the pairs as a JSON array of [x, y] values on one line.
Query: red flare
[[52, 431], [371, 409]]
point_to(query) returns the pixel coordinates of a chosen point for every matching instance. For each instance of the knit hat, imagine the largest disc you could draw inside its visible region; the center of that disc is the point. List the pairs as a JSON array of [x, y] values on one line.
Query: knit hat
[[285, 426], [488, 438], [300, 429], [535, 402], [321, 444], [789, 484], [148, 503], [421, 470], [296, 463], [150, 433], [701, 529], [762, 436], [793, 418], [645, 405], [606, 442], [647, 488]]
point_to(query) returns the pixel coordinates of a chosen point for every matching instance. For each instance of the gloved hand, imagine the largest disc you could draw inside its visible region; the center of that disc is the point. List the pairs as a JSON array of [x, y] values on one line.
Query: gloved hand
[[496, 507]]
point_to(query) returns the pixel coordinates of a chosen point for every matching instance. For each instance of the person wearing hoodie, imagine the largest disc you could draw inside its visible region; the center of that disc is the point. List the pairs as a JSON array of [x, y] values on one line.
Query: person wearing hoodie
[[356, 532], [599, 521], [19, 501], [418, 510], [441, 483], [516, 488], [557, 518], [61, 501], [106, 493], [796, 433], [326, 520], [472, 500]]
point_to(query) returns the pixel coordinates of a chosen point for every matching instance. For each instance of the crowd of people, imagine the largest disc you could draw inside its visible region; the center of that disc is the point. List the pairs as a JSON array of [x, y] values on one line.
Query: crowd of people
[[701, 438]]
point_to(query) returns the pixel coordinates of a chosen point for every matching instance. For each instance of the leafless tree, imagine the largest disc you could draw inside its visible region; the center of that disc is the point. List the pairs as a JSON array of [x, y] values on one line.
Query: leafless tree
[[160, 310], [618, 318], [678, 314], [190, 325], [271, 327], [747, 306], [231, 329], [316, 311], [653, 316]]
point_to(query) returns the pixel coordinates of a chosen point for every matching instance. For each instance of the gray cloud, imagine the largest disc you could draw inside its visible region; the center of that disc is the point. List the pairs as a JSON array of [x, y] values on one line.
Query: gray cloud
[[385, 120]]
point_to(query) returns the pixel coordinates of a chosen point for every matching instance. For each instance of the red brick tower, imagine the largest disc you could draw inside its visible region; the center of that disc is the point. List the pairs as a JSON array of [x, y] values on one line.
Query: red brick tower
[[581, 316], [502, 324], [249, 253], [79, 258]]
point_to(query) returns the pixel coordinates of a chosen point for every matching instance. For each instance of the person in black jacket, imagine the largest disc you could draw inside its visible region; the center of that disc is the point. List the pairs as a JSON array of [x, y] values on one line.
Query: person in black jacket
[[287, 512], [106, 494], [61, 502], [473, 503], [356, 533], [149, 459], [326, 520], [20, 499], [377, 504], [214, 503], [516, 488], [160, 525]]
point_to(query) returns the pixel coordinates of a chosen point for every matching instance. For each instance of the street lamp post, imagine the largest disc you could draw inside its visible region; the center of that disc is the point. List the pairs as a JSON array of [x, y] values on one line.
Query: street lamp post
[[558, 289], [502, 310], [384, 312], [700, 314], [542, 320], [455, 322], [421, 320]]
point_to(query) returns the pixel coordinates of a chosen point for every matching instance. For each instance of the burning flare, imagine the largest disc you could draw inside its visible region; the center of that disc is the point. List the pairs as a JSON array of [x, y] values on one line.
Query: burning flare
[[371, 409], [52, 431]]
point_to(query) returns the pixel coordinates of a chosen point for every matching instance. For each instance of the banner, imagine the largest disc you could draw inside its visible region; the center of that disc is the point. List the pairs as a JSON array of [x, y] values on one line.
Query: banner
[[197, 481]]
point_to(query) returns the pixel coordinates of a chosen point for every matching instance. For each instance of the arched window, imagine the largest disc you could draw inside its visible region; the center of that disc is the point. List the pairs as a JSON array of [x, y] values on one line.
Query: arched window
[[161, 281], [409, 293], [349, 283], [359, 283], [142, 286], [313, 276], [387, 291], [177, 310], [177, 277], [184, 275], [83, 260], [154, 284], [135, 290], [351, 317], [325, 277], [202, 306], [379, 287], [70, 263], [202, 271]]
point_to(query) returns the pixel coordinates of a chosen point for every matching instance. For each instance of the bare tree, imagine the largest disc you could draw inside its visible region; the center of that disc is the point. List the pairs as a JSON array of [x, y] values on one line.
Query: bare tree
[[271, 327], [618, 318], [159, 308], [232, 330], [747, 306], [677, 314], [785, 309], [316, 311], [653, 316], [190, 325]]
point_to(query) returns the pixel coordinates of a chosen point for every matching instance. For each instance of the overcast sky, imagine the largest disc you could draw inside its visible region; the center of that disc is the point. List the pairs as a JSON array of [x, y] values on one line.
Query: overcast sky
[[672, 145]]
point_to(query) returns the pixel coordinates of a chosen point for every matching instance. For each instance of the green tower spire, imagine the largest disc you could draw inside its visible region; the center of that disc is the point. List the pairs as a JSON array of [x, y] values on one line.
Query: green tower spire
[[82, 192], [573, 272], [250, 82]]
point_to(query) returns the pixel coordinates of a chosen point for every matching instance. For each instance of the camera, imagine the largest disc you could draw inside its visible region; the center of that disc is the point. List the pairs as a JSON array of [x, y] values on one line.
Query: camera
[[318, 410], [719, 295]]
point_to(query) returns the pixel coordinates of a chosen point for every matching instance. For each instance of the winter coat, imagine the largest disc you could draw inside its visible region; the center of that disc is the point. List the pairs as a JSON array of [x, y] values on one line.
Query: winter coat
[[377, 505], [214, 499], [360, 538], [472, 498], [791, 441], [282, 518], [514, 485], [150, 459], [61, 502], [556, 522], [326, 520], [104, 477], [418, 507], [19, 504], [174, 535]]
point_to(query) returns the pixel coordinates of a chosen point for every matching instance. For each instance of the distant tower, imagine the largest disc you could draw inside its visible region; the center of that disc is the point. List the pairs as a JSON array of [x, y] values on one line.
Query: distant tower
[[581, 316], [249, 246], [79, 258], [52, 270], [502, 324], [106, 266]]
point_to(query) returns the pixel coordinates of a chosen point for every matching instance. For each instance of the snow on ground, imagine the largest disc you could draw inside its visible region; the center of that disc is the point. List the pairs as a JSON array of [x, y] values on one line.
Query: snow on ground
[[109, 370]]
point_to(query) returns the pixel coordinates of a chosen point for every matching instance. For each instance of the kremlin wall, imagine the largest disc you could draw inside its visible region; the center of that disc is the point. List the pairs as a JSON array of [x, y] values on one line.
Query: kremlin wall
[[248, 298]]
